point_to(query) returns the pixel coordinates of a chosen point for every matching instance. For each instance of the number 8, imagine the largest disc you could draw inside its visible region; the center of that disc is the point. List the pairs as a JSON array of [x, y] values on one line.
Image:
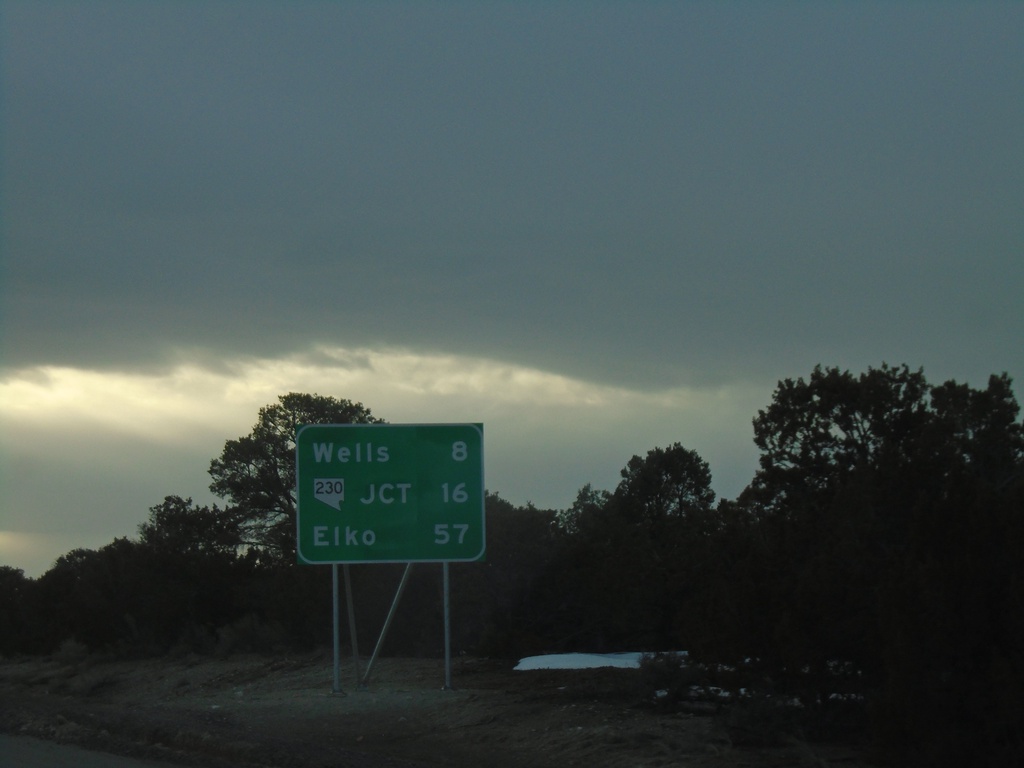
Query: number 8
[[459, 451]]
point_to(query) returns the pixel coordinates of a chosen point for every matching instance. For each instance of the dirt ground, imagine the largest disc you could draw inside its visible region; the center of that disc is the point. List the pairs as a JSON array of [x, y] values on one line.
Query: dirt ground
[[254, 711]]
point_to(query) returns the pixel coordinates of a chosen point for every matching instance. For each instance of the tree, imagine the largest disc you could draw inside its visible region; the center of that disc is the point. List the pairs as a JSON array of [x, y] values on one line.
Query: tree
[[953, 666], [669, 482], [501, 598], [589, 504], [816, 433], [892, 516], [625, 555], [97, 596], [179, 526], [665, 500], [256, 473], [15, 627]]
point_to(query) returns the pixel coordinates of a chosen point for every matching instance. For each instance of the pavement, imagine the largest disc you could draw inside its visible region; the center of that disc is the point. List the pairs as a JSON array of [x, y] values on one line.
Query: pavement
[[26, 752]]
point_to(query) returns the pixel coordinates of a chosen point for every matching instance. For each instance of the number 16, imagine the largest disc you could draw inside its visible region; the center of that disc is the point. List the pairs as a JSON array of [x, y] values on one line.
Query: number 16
[[458, 493]]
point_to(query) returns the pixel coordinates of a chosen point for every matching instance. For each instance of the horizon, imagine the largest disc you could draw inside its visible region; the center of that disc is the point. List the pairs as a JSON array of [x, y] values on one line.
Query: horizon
[[597, 231]]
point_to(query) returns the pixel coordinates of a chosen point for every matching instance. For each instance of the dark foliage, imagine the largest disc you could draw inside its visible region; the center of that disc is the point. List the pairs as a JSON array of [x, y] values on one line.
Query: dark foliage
[[870, 572], [256, 473], [17, 604], [883, 533]]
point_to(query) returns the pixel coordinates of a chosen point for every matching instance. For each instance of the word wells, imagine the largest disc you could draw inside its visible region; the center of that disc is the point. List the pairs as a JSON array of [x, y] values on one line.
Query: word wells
[[361, 452]]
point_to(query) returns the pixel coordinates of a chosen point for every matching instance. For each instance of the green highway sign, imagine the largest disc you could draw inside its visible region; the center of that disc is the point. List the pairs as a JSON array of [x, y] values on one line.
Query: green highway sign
[[386, 493]]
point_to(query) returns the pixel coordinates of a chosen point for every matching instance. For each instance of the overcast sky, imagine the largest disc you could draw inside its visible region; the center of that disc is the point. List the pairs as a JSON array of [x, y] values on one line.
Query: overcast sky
[[595, 227]]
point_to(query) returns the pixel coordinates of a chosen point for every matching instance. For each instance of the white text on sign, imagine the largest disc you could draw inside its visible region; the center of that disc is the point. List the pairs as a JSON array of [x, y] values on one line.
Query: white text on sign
[[324, 452], [386, 493], [353, 536]]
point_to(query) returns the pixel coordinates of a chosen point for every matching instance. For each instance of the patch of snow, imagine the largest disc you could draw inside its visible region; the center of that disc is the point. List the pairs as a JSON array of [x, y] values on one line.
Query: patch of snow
[[631, 660], [580, 661], [627, 660]]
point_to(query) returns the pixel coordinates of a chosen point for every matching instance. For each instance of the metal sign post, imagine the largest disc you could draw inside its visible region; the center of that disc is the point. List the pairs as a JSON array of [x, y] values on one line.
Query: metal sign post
[[337, 630], [447, 632]]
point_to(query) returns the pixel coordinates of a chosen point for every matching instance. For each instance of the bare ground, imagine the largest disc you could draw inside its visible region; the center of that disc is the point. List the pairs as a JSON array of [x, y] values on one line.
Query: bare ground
[[260, 712]]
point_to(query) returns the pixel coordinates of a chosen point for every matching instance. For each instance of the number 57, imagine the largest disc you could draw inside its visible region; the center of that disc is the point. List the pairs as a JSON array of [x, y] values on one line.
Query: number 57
[[442, 536]]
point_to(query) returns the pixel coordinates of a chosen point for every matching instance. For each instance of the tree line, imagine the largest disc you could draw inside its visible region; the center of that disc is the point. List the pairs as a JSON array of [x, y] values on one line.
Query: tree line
[[873, 561]]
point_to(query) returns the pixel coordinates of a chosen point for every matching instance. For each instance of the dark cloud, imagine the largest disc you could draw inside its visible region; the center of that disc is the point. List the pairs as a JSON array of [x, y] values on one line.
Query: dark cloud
[[643, 194]]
